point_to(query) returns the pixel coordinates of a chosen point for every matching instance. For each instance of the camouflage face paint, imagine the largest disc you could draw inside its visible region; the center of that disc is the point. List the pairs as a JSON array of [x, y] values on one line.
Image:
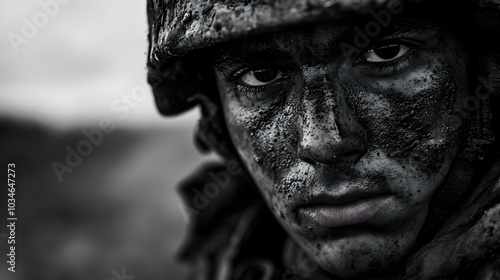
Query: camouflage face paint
[[347, 152]]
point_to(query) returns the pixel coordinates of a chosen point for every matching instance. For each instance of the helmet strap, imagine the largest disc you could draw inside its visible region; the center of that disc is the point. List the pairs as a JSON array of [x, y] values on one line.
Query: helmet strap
[[446, 198]]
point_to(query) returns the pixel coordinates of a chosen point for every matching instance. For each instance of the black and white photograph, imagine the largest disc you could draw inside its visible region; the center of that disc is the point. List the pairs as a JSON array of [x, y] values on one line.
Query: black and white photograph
[[250, 139]]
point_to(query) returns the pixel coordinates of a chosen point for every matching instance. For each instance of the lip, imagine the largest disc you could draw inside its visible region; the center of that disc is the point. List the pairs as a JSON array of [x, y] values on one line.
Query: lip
[[331, 214]]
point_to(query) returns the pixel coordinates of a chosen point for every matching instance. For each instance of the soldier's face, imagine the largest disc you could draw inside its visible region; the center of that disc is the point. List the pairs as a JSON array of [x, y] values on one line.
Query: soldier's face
[[346, 146]]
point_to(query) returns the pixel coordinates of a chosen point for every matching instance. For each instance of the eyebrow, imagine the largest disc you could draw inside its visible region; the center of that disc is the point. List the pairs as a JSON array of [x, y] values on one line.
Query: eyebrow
[[261, 49], [413, 27], [250, 50], [247, 53]]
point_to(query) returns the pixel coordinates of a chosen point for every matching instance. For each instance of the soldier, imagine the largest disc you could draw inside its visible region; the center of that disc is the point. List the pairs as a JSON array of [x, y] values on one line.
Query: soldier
[[366, 127]]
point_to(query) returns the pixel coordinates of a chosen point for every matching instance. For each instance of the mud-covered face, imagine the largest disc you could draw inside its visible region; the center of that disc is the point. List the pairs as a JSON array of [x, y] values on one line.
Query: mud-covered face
[[346, 146]]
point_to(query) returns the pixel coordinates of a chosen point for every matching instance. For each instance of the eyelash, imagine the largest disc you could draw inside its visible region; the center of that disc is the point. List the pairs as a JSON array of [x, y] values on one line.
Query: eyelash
[[256, 93], [378, 68], [236, 75], [390, 67]]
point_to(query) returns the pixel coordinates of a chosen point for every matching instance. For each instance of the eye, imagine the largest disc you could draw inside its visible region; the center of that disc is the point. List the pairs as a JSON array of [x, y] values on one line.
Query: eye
[[261, 77], [386, 53]]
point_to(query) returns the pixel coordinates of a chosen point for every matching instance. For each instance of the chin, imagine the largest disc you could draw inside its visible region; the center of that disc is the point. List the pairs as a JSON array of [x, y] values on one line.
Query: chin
[[359, 257], [358, 253]]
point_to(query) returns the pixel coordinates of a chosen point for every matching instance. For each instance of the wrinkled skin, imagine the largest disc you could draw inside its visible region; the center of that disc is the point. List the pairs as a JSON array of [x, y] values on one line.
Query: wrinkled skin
[[315, 128]]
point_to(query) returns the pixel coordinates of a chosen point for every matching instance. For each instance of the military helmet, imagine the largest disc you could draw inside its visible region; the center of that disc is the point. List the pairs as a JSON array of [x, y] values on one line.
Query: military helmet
[[178, 27]]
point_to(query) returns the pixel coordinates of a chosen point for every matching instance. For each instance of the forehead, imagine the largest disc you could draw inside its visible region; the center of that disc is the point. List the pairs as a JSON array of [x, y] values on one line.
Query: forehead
[[182, 25], [324, 39]]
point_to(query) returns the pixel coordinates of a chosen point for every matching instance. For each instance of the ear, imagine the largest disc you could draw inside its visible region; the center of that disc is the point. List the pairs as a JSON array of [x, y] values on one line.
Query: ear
[[211, 133], [480, 133]]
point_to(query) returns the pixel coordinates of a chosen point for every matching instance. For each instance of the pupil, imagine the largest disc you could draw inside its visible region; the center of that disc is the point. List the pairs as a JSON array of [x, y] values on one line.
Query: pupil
[[266, 75], [388, 52]]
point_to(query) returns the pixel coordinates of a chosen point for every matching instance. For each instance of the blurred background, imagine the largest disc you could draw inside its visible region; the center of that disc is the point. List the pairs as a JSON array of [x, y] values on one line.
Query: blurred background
[[65, 68]]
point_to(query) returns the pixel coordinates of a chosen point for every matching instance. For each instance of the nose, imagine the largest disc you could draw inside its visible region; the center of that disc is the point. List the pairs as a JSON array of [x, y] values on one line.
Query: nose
[[328, 131]]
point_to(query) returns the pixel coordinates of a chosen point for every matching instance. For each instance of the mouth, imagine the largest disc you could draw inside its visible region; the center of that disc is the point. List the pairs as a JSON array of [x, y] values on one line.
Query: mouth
[[332, 212]]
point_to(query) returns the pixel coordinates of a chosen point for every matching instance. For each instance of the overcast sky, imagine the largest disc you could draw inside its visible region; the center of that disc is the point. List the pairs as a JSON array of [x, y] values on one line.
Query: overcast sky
[[84, 57]]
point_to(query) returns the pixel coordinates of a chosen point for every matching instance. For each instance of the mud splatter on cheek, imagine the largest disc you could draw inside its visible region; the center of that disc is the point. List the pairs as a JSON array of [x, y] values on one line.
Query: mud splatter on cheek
[[263, 141], [411, 116]]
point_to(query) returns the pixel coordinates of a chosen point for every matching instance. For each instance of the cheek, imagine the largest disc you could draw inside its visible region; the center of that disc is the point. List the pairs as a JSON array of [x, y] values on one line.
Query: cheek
[[262, 144], [412, 116], [413, 184]]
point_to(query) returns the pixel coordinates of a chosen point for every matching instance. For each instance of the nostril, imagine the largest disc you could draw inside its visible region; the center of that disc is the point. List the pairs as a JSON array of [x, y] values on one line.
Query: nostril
[[315, 156], [304, 155], [353, 156], [308, 160], [329, 144]]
